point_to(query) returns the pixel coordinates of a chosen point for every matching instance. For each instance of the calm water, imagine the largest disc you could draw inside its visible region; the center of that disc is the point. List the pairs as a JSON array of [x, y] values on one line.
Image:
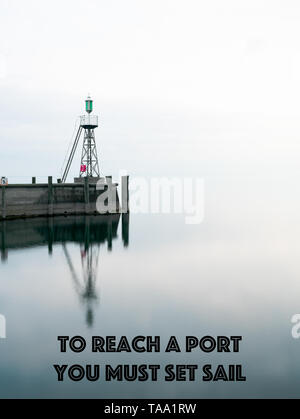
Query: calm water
[[237, 273]]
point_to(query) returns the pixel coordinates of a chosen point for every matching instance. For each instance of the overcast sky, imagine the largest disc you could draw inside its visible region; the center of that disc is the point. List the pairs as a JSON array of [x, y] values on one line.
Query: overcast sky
[[181, 86]]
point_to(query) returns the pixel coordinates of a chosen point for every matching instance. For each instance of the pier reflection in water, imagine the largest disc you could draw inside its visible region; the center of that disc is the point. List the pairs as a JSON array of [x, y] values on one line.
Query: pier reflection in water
[[229, 276], [90, 232]]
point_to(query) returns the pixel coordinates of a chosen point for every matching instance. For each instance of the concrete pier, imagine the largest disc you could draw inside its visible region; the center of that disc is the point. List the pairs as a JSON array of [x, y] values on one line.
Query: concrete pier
[[49, 199]]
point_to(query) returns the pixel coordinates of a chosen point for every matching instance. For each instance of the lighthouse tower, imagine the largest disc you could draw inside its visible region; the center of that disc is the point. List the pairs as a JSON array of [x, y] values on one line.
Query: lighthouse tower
[[89, 165]]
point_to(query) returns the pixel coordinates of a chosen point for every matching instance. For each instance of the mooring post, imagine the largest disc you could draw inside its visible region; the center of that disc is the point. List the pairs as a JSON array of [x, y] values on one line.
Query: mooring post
[[125, 194], [50, 196], [86, 194], [34, 180], [3, 188]]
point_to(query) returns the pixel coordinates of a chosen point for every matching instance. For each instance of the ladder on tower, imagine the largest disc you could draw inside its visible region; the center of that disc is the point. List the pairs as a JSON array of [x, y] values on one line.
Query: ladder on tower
[[71, 156]]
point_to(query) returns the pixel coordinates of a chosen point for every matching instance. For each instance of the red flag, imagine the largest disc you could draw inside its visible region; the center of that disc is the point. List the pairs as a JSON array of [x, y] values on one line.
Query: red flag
[[83, 168]]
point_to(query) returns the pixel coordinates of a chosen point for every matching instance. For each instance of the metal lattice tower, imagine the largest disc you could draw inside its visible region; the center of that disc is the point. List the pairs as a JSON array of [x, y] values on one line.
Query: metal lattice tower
[[89, 159]]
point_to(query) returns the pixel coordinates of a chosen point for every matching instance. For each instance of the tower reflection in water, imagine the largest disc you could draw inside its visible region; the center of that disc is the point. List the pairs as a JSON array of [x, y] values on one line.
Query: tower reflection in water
[[90, 232]]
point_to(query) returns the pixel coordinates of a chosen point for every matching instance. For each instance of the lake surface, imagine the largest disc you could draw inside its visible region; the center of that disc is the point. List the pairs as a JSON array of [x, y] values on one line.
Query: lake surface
[[236, 273]]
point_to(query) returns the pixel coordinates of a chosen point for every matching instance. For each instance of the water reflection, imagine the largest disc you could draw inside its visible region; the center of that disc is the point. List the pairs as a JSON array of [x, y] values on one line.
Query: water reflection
[[90, 232]]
